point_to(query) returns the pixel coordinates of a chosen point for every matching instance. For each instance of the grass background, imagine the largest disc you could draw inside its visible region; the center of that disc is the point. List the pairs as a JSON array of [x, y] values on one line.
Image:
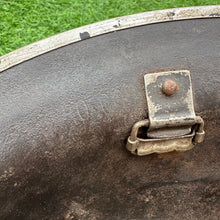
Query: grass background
[[25, 21]]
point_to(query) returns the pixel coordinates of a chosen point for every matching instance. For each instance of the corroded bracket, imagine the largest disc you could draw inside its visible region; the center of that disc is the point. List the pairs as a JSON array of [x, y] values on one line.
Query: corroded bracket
[[172, 124]]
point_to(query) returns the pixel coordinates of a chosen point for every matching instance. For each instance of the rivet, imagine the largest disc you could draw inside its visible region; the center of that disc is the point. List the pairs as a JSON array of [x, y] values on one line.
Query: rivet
[[170, 87]]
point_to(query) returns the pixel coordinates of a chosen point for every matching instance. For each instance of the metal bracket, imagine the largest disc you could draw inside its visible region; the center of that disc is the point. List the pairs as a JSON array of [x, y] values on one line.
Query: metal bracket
[[172, 124]]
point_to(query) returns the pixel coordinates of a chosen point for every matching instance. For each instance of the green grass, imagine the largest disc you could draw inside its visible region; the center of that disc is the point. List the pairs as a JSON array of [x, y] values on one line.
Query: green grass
[[25, 21]]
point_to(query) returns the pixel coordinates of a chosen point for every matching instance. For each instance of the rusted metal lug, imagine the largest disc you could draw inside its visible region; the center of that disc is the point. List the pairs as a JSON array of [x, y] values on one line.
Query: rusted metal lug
[[200, 133], [199, 137], [132, 145], [133, 142]]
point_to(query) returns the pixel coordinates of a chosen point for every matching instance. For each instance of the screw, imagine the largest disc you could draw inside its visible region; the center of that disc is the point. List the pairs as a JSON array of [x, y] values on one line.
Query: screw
[[170, 87]]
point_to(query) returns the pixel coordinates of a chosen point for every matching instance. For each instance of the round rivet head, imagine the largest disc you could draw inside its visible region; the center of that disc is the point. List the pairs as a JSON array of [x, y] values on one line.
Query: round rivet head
[[170, 87]]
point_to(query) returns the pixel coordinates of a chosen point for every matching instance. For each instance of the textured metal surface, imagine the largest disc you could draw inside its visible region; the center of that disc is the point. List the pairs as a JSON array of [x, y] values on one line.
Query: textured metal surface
[[65, 117]]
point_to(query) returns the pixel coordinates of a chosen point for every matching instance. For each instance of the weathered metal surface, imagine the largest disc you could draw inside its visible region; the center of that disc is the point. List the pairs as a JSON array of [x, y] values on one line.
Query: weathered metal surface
[[65, 117], [169, 111]]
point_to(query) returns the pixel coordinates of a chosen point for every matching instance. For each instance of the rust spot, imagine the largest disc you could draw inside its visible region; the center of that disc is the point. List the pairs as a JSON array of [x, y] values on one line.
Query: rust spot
[[170, 87]]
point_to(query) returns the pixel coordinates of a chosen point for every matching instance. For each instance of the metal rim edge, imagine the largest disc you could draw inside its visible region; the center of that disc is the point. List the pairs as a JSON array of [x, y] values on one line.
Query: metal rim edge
[[81, 33]]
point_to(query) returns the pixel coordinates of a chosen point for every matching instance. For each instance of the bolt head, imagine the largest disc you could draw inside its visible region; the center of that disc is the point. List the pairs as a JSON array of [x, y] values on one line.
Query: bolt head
[[170, 87]]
